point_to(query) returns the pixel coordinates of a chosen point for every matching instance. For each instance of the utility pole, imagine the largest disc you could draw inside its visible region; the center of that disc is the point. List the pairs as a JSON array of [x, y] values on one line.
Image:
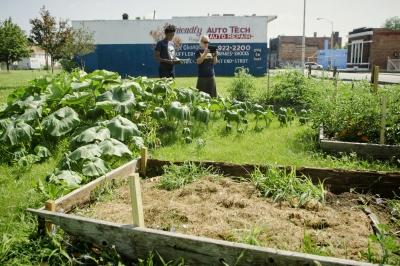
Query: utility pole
[[303, 46]]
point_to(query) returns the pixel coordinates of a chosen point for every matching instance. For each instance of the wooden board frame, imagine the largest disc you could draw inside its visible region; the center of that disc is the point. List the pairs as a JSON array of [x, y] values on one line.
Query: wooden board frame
[[136, 242], [377, 151]]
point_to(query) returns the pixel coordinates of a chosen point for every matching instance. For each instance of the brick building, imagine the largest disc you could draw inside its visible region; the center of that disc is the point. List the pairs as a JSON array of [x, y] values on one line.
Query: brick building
[[372, 46], [287, 50]]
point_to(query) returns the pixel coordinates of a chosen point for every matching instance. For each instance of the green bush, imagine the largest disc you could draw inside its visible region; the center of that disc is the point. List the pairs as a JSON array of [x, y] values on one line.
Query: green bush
[[68, 65], [290, 87], [243, 85]]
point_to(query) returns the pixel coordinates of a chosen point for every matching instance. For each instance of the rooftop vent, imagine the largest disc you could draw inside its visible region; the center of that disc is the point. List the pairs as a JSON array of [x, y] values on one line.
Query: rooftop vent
[[228, 15], [125, 16], [215, 15]]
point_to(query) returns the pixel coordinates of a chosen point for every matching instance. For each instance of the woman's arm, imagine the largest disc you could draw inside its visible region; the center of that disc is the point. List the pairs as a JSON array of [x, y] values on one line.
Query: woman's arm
[[201, 58], [215, 61]]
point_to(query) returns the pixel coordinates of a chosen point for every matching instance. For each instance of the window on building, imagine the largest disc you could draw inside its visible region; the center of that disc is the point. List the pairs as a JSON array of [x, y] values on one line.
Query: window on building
[[357, 51]]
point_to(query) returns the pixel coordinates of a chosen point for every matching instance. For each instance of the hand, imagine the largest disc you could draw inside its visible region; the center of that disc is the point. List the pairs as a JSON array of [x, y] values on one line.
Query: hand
[[171, 61], [216, 52], [206, 51]]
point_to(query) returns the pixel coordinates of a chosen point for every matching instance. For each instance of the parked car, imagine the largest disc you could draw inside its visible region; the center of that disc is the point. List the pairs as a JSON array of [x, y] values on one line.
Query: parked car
[[313, 65]]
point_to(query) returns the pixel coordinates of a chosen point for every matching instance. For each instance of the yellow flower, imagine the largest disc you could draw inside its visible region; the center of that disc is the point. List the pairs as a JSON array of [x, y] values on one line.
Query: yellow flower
[[359, 133], [343, 133], [351, 123], [364, 138]]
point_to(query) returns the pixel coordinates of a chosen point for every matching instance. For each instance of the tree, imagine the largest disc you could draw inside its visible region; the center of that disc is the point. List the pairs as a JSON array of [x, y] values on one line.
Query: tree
[[82, 43], [13, 43], [159, 34], [346, 45], [392, 23], [47, 35]]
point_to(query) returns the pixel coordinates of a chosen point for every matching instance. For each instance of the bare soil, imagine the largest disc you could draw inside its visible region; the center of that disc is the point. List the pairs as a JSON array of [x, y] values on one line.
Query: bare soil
[[229, 210]]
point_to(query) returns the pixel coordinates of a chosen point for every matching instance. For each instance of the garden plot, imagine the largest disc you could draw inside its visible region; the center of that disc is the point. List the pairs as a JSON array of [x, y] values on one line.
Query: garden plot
[[217, 220], [230, 210]]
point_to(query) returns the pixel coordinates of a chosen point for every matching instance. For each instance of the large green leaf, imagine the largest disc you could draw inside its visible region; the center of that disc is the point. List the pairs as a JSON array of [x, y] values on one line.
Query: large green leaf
[[76, 98], [134, 87], [204, 95], [182, 112], [114, 147], [94, 114], [122, 128], [81, 86], [186, 96], [19, 153], [95, 167], [4, 123], [160, 87], [87, 151], [137, 141], [72, 178], [107, 74], [30, 101], [159, 113], [232, 116], [257, 107], [202, 114], [16, 132], [42, 151], [31, 114], [93, 133], [118, 99], [56, 91], [60, 122], [215, 105]]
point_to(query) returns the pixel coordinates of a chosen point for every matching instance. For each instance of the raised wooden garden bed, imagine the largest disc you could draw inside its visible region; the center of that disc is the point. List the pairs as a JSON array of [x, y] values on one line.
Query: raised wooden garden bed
[[377, 151], [134, 242]]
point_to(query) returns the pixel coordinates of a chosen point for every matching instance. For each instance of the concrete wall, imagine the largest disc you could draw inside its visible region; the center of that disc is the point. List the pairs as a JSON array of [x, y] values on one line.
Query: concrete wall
[[126, 47]]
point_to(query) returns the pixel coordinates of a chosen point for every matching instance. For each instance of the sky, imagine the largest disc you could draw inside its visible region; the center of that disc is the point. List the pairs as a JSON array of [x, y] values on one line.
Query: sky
[[343, 15]]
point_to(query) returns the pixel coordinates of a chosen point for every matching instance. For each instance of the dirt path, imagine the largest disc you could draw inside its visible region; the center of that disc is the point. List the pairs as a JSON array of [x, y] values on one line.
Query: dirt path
[[229, 210]]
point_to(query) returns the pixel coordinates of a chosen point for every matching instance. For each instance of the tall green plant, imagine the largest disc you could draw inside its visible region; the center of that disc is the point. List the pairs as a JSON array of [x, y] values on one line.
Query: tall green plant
[[242, 87]]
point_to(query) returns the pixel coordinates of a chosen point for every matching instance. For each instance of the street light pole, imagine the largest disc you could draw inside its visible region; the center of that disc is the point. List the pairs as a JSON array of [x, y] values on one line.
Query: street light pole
[[303, 45], [331, 40]]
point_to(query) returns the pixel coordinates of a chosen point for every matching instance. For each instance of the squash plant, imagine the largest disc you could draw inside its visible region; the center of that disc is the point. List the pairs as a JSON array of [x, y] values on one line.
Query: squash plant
[[104, 118]]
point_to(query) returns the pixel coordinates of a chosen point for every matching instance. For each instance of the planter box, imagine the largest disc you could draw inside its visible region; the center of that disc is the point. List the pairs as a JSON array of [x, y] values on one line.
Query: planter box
[[134, 242], [377, 151]]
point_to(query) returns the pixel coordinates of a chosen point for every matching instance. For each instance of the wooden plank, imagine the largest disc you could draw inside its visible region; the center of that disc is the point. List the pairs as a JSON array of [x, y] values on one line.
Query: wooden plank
[[376, 78], [82, 195], [383, 120], [143, 160], [378, 151], [49, 205], [136, 200], [336, 180], [136, 242]]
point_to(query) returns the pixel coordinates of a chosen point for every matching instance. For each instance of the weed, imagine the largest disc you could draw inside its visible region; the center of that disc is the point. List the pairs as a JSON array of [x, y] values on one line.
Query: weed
[[176, 176], [388, 247], [255, 235], [280, 185], [242, 87]]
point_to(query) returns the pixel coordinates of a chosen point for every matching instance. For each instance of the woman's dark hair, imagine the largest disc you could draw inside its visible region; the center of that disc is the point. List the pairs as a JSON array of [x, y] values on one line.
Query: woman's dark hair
[[170, 28]]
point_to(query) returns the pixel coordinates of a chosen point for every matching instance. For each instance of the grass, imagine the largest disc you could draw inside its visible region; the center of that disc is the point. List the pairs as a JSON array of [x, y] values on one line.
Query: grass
[[275, 144]]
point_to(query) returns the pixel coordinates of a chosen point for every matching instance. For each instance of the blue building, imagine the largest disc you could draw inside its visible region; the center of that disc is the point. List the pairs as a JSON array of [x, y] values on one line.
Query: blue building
[[339, 57], [126, 46]]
